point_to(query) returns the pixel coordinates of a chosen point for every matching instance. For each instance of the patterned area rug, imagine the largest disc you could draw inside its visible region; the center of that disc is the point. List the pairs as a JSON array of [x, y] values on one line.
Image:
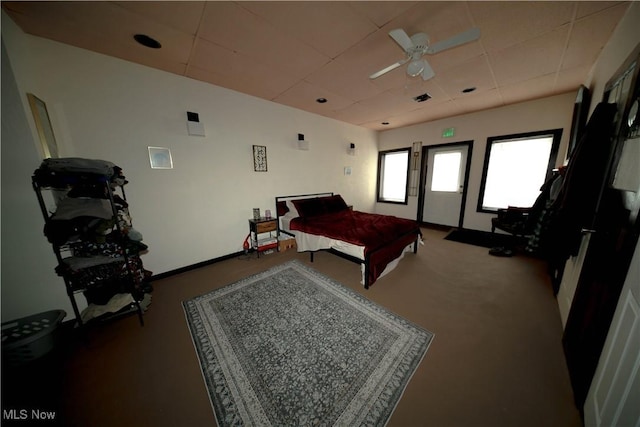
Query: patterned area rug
[[291, 347]]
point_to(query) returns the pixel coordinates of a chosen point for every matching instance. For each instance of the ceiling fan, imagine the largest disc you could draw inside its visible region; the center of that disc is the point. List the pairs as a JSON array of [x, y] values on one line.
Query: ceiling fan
[[416, 46]]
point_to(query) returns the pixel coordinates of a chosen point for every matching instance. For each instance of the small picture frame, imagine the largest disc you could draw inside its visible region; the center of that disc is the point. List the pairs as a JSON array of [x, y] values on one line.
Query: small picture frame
[[259, 158], [256, 213], [160, 158], [43, 126]]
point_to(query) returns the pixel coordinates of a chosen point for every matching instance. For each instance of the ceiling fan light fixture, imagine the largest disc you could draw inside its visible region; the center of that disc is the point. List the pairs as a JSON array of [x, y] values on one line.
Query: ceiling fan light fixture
[[415, 67]]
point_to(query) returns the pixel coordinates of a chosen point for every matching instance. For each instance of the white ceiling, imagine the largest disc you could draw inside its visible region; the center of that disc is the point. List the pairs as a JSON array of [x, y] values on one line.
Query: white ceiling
[[295, 52]]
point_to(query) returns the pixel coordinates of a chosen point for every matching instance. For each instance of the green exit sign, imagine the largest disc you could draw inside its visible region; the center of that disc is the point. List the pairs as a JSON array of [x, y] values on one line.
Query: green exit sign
[[448, 132]]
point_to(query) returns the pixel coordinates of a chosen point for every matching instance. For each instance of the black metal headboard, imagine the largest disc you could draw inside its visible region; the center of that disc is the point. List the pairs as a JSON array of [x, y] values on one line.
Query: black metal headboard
[[282, 199]]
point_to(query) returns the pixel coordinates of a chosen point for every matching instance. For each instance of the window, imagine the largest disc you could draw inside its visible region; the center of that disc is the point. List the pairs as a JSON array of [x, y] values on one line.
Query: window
[[446, 171], [515, 168], [393, 176]]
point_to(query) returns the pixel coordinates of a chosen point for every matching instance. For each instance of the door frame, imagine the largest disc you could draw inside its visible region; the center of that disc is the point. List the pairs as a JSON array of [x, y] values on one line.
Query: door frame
[[423, 177]]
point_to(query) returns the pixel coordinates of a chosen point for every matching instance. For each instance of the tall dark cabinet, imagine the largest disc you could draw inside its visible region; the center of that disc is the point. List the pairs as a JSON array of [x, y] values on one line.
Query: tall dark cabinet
[[87, 222]]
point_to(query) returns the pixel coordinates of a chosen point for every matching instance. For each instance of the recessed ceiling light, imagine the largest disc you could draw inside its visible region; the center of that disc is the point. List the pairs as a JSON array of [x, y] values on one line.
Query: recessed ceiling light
[[321, 100], [468, 90], [147, 41]]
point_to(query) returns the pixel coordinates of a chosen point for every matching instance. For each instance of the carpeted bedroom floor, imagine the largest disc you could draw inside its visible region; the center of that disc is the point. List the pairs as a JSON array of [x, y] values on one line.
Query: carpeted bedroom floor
[[496, 359]]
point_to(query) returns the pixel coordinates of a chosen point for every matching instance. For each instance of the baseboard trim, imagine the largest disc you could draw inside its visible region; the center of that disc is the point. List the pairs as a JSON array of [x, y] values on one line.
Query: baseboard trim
[[436, 226], [193, 266]]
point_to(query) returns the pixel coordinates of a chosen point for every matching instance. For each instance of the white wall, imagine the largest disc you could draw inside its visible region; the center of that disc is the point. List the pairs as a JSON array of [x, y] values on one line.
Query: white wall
[[28, 281], [110, 109], [542, 114]]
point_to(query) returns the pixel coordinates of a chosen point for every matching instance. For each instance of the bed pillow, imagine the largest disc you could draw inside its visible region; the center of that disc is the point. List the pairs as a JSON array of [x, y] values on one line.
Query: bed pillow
[[293, 212], [334, 204], [309, 207], [281, 208]]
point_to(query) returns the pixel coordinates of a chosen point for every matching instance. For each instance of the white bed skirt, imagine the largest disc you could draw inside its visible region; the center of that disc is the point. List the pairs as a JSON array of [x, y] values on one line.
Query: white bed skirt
[[310, 243]]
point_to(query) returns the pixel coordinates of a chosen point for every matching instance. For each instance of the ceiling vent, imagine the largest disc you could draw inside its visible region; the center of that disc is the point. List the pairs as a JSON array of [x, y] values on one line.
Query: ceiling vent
[[422, 98]]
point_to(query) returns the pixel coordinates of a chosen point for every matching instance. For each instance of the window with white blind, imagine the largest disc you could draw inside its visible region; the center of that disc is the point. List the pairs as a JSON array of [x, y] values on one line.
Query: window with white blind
[[515, 168], [393, 176]]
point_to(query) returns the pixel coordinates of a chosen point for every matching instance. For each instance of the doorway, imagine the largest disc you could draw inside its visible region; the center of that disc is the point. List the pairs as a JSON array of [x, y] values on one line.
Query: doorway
[[443, 189]]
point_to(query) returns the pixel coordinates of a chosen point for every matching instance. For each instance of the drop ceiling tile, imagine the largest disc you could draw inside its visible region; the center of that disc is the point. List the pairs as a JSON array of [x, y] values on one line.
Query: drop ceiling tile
[[416, 86], [88, 25], [535, 57], [340, 77], [309, 22], [392, 104], [571, 78], [381, 12], [303, 95], [240, 68], [440, 111], [538, 87], [508, 23], [481, 101], [403, 100], [230, 25], [236, 83], [473, 73], [181, 15], [357, 113], [586, 8], [589, 35]]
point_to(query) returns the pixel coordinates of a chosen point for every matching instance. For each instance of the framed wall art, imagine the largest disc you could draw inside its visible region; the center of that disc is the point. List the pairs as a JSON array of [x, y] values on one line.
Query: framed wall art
[[160, 158], [259, 158], [43, 126]]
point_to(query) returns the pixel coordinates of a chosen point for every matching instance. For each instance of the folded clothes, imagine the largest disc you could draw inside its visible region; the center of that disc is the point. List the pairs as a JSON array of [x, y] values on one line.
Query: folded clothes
[[79, 165], [115, 304], [70, 208]]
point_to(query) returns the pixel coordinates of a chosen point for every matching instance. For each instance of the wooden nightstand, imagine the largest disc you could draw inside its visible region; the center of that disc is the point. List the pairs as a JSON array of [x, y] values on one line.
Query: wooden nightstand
[[264, 234]]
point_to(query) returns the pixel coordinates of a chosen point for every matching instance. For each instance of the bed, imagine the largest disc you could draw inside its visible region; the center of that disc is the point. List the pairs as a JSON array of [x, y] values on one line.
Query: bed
[[323, 221]]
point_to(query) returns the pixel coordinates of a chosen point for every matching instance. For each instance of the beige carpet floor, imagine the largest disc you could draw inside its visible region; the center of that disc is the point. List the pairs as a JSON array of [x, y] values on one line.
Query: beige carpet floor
[[496, 359]]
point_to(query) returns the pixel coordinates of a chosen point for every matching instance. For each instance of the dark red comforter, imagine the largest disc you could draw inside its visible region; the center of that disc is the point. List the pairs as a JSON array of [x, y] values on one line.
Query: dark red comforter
[[383, 236]]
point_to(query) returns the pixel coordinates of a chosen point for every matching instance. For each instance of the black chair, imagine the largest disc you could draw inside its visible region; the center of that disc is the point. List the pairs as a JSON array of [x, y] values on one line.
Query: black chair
[[526, 223], [519, 222]]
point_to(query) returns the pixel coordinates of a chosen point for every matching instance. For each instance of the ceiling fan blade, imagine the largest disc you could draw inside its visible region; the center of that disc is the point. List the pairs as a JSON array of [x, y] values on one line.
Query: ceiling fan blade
[[401, 38], [427, 72], [387, 69], [457, 40]]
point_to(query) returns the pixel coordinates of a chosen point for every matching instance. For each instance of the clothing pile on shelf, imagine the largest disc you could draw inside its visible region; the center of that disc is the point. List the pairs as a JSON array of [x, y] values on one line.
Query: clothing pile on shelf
[[92, 233]]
